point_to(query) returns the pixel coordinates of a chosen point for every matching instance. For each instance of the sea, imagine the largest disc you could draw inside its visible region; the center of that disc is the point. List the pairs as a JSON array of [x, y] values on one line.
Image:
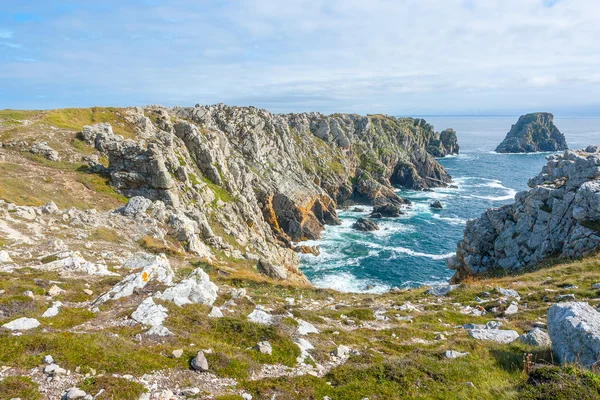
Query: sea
[[409, 251]]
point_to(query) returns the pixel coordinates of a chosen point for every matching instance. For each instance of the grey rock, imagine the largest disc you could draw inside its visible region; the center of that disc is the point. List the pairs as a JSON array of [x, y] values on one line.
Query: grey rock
[[440, 290], [496, 335], [74, 394], [508, 293], [558, 216], [260, 316], [215, 312], [149, 313], [195, 289], [48, 359], [22, 324], [565, 297], [304, 327], [272, 270], [365, 225], [42, 149], [136, 205], [536, 337], [199, 363], [452, 354], [49, 208], [264, 348], [574, 329], [436, 205], [342, 351], [513, 308]]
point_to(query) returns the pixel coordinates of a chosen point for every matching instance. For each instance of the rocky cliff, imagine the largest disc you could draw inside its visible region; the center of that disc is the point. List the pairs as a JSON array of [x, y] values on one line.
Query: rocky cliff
[[250, 183], [533, 132], [558, 217]]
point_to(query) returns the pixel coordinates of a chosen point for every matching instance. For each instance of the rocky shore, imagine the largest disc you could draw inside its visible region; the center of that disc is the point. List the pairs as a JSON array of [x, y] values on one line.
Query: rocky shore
[[558, 217]]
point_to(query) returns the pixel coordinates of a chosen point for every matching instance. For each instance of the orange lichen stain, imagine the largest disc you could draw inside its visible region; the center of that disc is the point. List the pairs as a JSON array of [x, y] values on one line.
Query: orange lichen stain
[[145, 276]]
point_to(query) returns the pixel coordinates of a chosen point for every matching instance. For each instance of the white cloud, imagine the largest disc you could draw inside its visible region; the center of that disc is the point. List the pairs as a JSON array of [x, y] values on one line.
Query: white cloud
[[330, 55], [4, 34]]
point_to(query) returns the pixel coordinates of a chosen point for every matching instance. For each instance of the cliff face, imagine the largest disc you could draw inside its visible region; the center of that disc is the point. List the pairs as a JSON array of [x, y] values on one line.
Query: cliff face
[[533, 132], [250, 183], [558, 216]]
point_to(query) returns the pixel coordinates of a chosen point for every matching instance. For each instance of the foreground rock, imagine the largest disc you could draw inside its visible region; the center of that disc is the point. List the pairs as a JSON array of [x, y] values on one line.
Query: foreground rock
[[365, 225], [22, 324], [533, 132], [199, 363], [536, 337], [574, 330], [558, 216], [495, 335]]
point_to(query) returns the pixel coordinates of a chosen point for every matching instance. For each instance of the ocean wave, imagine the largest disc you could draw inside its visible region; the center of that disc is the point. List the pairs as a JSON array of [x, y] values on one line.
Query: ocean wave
[[404, 250], [509, 196], [348, 283], [451, 220]]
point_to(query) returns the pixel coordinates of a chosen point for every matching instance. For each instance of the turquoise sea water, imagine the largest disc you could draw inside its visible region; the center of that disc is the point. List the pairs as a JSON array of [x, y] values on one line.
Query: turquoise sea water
[[410, 250]]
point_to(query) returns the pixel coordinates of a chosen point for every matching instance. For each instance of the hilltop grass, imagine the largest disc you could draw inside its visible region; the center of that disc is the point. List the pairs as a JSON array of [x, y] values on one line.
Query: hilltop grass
[[114, 388], [76, 118]]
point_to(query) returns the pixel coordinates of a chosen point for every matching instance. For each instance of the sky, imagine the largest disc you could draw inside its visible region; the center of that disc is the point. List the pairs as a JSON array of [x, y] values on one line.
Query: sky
[[399, 57]]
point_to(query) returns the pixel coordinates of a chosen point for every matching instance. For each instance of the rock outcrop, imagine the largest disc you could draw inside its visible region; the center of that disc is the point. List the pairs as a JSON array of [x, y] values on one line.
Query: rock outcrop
[[443, 144], [249, 183], [574, 330], [558, 216], [365, 225], [533, 132]]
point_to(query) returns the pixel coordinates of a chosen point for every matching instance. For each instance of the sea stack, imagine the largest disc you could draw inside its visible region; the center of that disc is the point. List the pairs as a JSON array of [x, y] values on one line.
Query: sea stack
[[533, 132]]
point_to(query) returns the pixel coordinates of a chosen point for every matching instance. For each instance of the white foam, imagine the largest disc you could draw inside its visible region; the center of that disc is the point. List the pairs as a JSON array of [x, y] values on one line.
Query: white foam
[[348, 283], [450, 220]]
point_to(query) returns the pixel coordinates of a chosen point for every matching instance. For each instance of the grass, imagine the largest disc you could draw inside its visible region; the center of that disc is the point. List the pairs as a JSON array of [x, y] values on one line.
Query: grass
[[105, 234], [220, 192], [21, 387], [114, 388], [157, 246], [100, 184], [76, 118]]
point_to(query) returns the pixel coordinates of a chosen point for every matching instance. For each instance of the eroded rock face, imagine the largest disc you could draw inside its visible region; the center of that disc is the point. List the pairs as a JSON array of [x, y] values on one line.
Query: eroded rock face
[[249, 183], [574, 330], [558, 216], [533, 132]]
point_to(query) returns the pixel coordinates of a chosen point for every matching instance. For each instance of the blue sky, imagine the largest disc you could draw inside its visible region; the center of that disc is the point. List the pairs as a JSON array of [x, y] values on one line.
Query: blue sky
[[401, 57]]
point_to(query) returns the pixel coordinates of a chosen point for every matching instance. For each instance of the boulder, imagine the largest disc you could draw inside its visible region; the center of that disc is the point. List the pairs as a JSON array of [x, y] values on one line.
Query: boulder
[[42, 149], [136, 205], [304, 328], [159, 270], [5, 257], [513, 308], [341, 351], [49, 208], [195, 289], [53, 310], [72, 262], [365, 225], [440, 290], [533, 132], [260, 316], [272, 270], [264, 348], [387, 209], [437, 205], [199, 363], [495, 335], [74, 394], [536, 337], [452, 354], [574, 329], [215, 312], [22, 324], [149, 313]]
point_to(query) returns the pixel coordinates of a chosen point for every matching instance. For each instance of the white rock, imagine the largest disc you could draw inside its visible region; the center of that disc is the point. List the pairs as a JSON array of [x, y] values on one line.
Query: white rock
[[48, 359], [264, 347], [160, 271], [246, 396], [215, 312], [53, 310], [135, 205], [177, 353], [22, 324], [536, 337], [196, 288], [71, 262], [74, 394], [5, 257], [452, 354], [290, 301], [49, 208], [262, 317], [199, 363], [341, 351], [159, 330], [513, 308], [304, 345], [304, 327], [55, 291], [496, 335], [54, 370], [150, 313], [574, 329]]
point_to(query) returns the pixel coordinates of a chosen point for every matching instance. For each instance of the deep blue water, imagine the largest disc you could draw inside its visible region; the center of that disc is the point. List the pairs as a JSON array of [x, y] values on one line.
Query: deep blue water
[[410, 250]]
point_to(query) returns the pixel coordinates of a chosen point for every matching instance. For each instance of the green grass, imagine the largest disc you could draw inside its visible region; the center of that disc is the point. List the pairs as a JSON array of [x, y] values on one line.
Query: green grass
[[19, 387], [76, 118], [105, 234], [220, 192], [100, 184], [114, 388]]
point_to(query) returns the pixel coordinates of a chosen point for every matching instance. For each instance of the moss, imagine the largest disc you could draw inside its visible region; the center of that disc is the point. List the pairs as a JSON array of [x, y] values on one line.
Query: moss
[[49, 259], [21, 387], [69, 317], [113, 387], [547, 382], [364, 314], [220, 192]]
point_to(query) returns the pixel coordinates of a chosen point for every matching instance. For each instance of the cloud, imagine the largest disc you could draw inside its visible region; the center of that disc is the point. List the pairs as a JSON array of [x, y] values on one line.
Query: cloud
[[4, 34], [422, 56]]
